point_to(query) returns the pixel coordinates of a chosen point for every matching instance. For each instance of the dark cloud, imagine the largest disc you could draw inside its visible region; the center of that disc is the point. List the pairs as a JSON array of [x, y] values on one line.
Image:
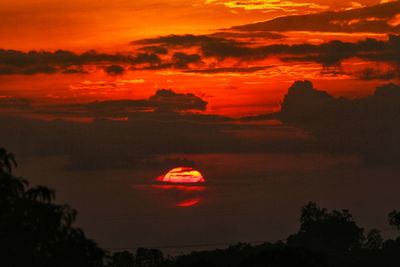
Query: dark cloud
[[118, 144], [138, 140], [182, 41], [146, 58], [255, 34], [28, 70], [378, 74], [150, 127], [74, 70], [164, 100], [223, 50], [34, 62], [368, 126], [66, 62], [330, 54], [302, 102], [171, 52], [367, 19], [115, 108], [114, 70], [182, 61], [178, 60], [169, 100], [153, 49], [229, 70], [14, 103]]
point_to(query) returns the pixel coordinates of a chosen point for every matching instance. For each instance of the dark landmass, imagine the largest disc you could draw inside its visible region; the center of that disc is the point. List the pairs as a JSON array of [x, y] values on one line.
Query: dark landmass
[[36, 231]]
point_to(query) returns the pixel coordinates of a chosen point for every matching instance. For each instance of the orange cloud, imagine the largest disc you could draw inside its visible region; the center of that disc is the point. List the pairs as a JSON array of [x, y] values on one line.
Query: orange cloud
[[272, 5]]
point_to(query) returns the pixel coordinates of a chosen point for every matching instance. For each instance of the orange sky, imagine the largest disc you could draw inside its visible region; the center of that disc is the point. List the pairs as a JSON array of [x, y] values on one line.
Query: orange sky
[[83, 24], [109, 27]]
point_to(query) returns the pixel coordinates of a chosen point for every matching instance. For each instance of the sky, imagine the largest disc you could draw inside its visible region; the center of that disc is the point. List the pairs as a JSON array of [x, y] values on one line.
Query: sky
[[46, 24], [275, 103], [239, 56]]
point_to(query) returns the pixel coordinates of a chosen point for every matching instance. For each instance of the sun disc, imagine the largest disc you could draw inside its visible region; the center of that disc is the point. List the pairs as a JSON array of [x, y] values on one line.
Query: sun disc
[[182, 175]]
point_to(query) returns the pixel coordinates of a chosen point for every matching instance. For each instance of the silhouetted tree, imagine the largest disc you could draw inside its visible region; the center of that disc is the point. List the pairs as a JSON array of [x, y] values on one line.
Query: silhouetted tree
[[373, 240], [284, 257], [34, 231], [7, 161], [122, 259], [148, 257], [394, 219], [331, 232]]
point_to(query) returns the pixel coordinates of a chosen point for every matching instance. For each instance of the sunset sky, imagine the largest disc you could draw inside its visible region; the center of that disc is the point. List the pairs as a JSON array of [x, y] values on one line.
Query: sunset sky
[[238, 56], [268, 103]]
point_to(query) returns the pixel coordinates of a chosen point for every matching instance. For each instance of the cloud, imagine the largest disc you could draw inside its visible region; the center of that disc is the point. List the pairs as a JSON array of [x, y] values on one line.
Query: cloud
[[182, 61], [128, 132], [378, 74], [329, 54], [303, 103], [66, 62], [182, 41], [366, 19], [235, 49], [387, 1], [15, 103], [169, 100], [74, 70], [209, 50], [146, 58], [228, 70], [114, 70], [116, 144], [367, 126], [164, 100], [34, 62], [271, 5], [153, 49], [236, 34]]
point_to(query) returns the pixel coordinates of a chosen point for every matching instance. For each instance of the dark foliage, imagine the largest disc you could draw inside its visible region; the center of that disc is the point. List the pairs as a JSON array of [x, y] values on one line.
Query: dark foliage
[[35, 231], [331, 232]]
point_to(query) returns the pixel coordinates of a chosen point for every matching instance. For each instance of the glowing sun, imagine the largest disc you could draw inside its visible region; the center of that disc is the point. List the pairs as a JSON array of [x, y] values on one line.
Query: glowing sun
[[182, 175]]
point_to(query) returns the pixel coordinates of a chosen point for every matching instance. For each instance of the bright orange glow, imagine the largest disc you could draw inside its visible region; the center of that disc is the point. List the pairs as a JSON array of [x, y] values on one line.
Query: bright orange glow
[[79, 26], [188, 203], [184, 188], [182, 175]]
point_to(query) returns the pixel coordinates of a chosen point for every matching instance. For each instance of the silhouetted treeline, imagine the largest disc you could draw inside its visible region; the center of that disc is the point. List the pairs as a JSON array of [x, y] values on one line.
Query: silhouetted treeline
[[35, 231], [330, 239]]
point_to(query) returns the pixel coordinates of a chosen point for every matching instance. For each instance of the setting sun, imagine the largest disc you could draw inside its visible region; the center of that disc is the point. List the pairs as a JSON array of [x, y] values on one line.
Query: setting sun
[[131, 104], [182, 175]]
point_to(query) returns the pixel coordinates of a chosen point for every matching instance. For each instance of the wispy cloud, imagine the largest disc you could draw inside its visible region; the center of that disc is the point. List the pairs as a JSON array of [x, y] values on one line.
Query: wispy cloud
[[377, 19], [271, 5]]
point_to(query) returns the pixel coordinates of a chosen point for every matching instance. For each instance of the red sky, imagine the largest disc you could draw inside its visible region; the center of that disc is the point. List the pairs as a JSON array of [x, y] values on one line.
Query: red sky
[[71, 59], [241, 83]]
